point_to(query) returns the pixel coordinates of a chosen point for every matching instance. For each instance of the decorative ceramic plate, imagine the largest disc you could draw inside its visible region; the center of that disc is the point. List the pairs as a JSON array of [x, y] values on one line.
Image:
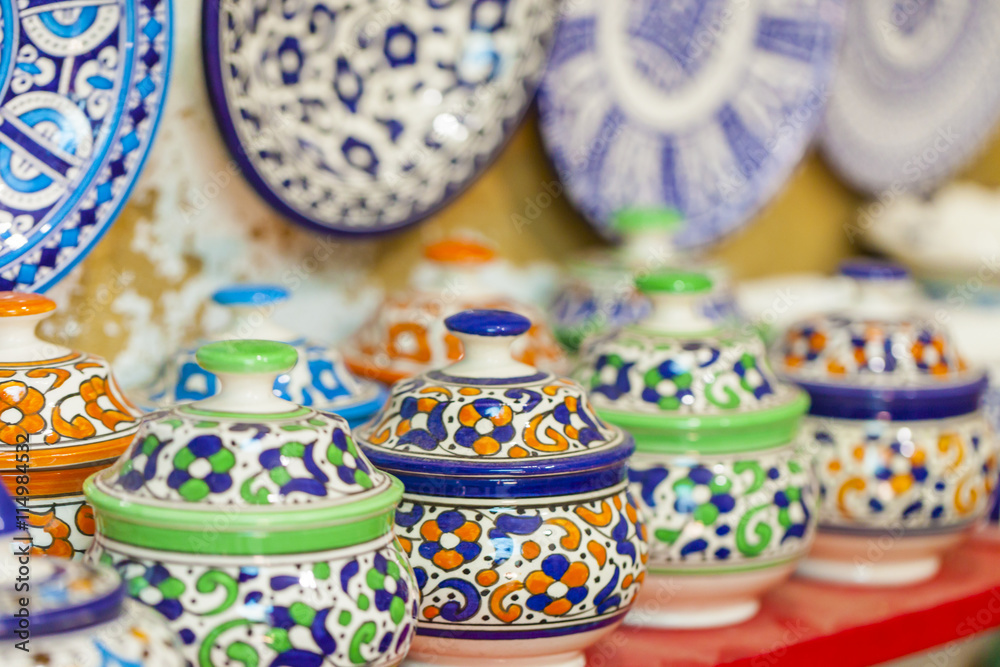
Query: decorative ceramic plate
[[705, 106], [916, 92], [362, 116], [82, 93]]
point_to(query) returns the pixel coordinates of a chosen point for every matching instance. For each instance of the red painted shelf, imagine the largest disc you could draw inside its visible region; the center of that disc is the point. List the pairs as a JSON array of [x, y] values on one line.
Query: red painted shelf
[[807, 623]]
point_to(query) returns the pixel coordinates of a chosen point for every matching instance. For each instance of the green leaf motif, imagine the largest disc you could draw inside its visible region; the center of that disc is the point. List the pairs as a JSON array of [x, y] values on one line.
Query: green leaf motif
[[365, 634], [741, 467], [262, 497], [205, 651], [212, 580], [243, 653], [666, 535], [761, 530]]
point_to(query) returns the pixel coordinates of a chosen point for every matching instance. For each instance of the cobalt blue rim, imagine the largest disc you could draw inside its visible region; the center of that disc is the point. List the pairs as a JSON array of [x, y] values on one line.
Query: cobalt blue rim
[[529, 478], [484, 322], [441, 376], [428, 630], [872, 269], [220, 107], [49, 622], [250, 295], [899, 404]]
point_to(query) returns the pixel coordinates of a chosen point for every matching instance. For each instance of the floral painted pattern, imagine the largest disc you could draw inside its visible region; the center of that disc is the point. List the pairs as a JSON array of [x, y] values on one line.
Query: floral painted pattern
[[449, 540], [557, 586], [20, 406]]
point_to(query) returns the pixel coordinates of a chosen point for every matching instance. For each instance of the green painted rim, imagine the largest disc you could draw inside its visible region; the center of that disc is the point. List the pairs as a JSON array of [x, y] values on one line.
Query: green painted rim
[[741, 432], [636, 219], [241, 530], [674, 282], [188, 408], [246, 356]]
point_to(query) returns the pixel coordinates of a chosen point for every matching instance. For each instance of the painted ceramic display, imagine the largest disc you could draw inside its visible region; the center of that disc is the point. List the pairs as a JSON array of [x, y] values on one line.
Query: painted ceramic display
[[256, 526], [905, 456], [599, 294], [319, 380], [526, 543], [363, 117], [407, 335], [76, 615], [62, 418], [911, 102], [704, 107], [730, 500], [83, 90]]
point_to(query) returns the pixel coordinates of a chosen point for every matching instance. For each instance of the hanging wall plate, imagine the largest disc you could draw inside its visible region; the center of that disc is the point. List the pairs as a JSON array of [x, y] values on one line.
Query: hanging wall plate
[[916, 93], [82, 94], [361, 117], [705, 106]]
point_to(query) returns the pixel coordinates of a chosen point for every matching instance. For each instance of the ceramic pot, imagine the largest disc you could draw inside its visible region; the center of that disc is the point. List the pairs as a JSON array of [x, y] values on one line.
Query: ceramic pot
[[406, 335], [256, 527], [599, 292], [63, 418], [905, 457], [729, 499], [319, 380], [59, 612], [516, 517]]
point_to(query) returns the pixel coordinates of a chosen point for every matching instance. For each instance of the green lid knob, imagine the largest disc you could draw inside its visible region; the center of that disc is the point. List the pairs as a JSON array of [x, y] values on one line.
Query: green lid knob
[[635, 220], [246, 356], [674, 282]]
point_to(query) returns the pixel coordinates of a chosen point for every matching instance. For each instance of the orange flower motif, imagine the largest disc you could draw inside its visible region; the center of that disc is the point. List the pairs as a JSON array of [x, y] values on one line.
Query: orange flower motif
[[92, 391], [450, 540], [19, 408], [57, 530], [557, 586]]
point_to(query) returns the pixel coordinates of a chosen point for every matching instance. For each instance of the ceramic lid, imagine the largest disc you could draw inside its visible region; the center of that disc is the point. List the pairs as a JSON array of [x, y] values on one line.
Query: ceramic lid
[[881, 355], [320, 379], [64, 404], [489, 423], [406, 334], [680, 379], [64, 595], [269, 466]]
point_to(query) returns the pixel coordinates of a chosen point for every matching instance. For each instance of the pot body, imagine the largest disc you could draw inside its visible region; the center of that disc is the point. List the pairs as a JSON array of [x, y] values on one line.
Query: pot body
[[347, 606], [723, 528], [137, 638], [509, 581], [895, 495]]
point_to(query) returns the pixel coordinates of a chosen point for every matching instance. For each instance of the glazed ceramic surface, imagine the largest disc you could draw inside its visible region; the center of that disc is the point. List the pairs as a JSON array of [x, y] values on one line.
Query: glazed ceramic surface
[[523, 536], [407, 335], [63, 418], [901, 442], [365, 117], [908, 106], [256, 525], [705, 107], [76, 614], [729, 499], [320, 379], [82, 93]]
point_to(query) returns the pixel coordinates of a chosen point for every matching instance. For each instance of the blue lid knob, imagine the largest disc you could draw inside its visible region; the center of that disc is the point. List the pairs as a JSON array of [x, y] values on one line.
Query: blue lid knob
[[872, 269], [8, 514], [498, 323], [250, 295]]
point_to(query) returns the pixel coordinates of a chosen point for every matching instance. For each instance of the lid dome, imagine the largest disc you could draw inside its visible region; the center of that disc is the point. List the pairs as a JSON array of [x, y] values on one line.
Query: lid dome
[[320, 379], [269, 467], [882, 356], [677, 378], [64, 404], [488, 423]]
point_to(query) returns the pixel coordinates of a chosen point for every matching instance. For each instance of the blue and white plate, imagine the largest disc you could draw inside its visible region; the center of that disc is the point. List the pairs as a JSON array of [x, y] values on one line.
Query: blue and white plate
[[82, 93], [363, 116], [705, 106], [916, 94]]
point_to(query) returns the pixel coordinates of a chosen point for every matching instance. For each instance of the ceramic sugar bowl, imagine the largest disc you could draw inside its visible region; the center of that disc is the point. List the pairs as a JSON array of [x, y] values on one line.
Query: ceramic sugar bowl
[[62, 418], [729, 499], [525, 541], [59, 612], [905, 457], [406, 335], [599, 294], [256, 526], [319, 379]]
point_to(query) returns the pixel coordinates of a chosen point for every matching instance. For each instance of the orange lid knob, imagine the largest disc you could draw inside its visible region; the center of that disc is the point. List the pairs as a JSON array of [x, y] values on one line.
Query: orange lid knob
[[17, 304], [459, 251]]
